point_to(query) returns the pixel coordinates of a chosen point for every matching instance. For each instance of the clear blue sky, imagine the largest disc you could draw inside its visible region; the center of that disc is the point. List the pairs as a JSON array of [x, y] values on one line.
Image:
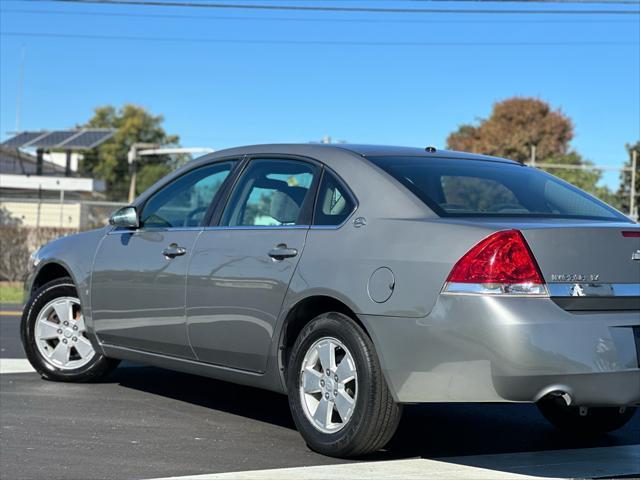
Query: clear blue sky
[[368, 78]]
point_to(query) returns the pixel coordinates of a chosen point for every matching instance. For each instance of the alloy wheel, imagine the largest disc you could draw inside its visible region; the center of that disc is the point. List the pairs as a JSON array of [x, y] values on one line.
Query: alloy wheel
[[61, 335]]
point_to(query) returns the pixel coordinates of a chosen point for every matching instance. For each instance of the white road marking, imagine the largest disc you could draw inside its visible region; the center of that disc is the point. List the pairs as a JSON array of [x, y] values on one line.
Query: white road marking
[[581, 463], [411, 469], [15, 365]]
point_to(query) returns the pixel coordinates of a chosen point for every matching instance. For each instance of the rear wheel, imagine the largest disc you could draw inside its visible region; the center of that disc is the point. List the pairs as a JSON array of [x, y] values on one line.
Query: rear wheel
[[339, 399], [55, 339], [584, 420]]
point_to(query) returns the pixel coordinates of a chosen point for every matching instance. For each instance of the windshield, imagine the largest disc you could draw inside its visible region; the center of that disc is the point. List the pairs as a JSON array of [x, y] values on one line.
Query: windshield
[[471, 188]]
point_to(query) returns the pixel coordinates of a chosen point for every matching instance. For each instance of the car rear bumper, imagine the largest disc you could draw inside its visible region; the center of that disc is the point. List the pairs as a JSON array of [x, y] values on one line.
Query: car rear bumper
[[492, 349]]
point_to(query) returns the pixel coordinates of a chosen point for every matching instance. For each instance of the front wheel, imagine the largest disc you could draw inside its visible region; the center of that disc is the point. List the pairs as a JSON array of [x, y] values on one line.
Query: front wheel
[[55, 339], [338, 396], [583, 420]]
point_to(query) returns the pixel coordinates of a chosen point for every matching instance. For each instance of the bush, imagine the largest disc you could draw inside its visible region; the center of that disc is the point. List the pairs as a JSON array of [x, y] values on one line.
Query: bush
[[17, 243]]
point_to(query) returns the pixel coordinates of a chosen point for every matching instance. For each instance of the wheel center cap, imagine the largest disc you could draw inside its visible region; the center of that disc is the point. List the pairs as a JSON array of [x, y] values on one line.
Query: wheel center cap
[[328, 384], [68, 332]]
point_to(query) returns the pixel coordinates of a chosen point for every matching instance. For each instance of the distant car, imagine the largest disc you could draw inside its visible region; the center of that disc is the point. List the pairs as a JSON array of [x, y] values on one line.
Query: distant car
[[356, 279]]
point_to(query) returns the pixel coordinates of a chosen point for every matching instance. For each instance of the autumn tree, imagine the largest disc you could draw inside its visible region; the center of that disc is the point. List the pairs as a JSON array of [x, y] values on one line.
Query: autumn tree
[[517, 124], [514, 125], [108, 162]]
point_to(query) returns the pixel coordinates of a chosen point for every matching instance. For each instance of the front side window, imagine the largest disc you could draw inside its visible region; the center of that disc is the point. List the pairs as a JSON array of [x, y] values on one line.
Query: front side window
[[476, 188], [270, 193], [334, 203], [185, 201]]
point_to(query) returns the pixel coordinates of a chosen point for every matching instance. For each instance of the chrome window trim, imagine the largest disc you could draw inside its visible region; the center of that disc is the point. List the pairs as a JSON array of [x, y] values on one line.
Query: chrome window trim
[[116, 231], [595, 289], [336, 227], [258, 227]]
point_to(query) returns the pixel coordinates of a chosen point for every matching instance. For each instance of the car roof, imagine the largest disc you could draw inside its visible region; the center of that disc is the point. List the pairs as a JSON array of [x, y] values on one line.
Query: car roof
[[357, 149]]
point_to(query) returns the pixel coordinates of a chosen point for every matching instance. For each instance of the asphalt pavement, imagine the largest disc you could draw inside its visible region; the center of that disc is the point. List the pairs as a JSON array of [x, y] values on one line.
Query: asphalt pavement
[[144, 422]]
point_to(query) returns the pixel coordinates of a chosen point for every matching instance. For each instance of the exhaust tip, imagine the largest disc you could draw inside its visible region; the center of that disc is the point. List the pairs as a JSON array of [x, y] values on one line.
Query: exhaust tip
[[568, 400], [554, 391]]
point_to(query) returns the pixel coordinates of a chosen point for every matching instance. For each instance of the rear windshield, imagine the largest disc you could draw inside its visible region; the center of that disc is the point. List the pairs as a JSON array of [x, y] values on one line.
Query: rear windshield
[[471, 188]]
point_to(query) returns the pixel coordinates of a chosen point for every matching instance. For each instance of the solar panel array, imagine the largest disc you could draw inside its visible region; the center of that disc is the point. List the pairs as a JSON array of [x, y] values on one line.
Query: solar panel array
[[90, 139], [83, 139], [22, 139], [54, 138]]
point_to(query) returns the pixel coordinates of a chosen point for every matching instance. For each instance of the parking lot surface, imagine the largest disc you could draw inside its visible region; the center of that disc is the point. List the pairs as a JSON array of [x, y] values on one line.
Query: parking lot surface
[[145, 422]]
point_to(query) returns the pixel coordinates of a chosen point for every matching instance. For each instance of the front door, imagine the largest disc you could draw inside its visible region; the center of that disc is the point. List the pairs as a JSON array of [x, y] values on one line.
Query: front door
[[241, 269], [138, 280]]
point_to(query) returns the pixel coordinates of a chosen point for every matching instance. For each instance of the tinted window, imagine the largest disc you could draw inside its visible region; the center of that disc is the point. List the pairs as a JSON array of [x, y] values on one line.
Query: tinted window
[[461, 187], [184, 202], [465, 193], [334, 204], [270, 193]]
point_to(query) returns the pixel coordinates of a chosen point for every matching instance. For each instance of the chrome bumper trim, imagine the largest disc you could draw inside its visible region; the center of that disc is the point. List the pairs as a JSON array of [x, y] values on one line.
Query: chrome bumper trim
[[594, 289]]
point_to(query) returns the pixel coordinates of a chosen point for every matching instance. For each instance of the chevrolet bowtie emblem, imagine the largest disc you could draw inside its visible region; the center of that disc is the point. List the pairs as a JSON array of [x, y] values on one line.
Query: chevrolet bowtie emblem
[[577, 290]]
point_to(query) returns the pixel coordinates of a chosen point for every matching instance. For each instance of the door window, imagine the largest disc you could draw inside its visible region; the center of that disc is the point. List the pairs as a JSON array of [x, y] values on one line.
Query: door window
[[270, 193], [335, 204], [184, 202]]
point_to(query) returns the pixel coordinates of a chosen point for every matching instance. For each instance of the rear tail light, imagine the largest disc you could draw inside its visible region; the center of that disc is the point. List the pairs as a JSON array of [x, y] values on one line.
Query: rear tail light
[[631, 234], [501, 264]]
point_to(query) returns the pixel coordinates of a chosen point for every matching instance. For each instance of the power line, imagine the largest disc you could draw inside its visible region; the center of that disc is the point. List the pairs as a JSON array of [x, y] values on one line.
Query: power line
[[354, 43], [302, 19], [324, 8], [588, 2]]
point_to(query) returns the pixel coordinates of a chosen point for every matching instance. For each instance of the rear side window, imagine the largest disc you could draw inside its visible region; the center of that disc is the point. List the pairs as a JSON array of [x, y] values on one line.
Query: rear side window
[[270, 193], [472, 188], [334, 204]]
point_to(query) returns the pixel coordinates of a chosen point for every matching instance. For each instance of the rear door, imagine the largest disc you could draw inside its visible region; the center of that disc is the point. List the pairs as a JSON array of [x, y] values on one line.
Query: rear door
[[138, 280], [241, 268]]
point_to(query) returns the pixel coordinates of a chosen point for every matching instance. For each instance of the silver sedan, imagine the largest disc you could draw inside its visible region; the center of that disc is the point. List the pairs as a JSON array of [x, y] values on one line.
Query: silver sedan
[[356, 279]]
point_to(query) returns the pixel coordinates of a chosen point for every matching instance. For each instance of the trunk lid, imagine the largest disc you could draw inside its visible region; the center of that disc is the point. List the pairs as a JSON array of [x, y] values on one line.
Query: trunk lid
[[585, 254], [575, 251]]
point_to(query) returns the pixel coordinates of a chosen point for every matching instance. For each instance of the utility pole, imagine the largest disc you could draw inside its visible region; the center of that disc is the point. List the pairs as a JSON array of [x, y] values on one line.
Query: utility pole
[[533, 155], [20, 88], [632, 188], [132, 159]]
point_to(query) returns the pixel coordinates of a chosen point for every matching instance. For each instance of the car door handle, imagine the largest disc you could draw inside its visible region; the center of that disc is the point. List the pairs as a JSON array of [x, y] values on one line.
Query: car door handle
[[173, 251], [280, 252]]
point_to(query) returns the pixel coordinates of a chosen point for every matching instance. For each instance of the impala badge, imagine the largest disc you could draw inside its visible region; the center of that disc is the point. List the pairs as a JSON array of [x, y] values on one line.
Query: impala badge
[[635, 255]]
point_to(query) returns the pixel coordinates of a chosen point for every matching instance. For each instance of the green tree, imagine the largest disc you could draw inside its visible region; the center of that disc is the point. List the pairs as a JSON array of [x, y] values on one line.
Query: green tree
[[518, 123], [108, 162], [624, 194]]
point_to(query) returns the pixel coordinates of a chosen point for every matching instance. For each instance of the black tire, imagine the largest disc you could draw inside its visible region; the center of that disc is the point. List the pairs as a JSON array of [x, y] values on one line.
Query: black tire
[[595, 421], [375, 416], [97, 367]]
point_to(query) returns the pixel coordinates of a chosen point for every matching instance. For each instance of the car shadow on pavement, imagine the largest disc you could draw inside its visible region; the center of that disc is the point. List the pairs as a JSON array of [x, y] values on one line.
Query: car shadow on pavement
[[439, 430], [429, 430], [206, 392]]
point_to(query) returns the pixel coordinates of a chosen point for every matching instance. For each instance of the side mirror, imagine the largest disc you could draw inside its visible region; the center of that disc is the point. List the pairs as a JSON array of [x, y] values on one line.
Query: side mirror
[[126, 217]]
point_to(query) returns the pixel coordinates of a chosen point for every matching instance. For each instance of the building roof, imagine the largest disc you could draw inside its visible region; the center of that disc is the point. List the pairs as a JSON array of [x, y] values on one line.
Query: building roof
[[17, 162]]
